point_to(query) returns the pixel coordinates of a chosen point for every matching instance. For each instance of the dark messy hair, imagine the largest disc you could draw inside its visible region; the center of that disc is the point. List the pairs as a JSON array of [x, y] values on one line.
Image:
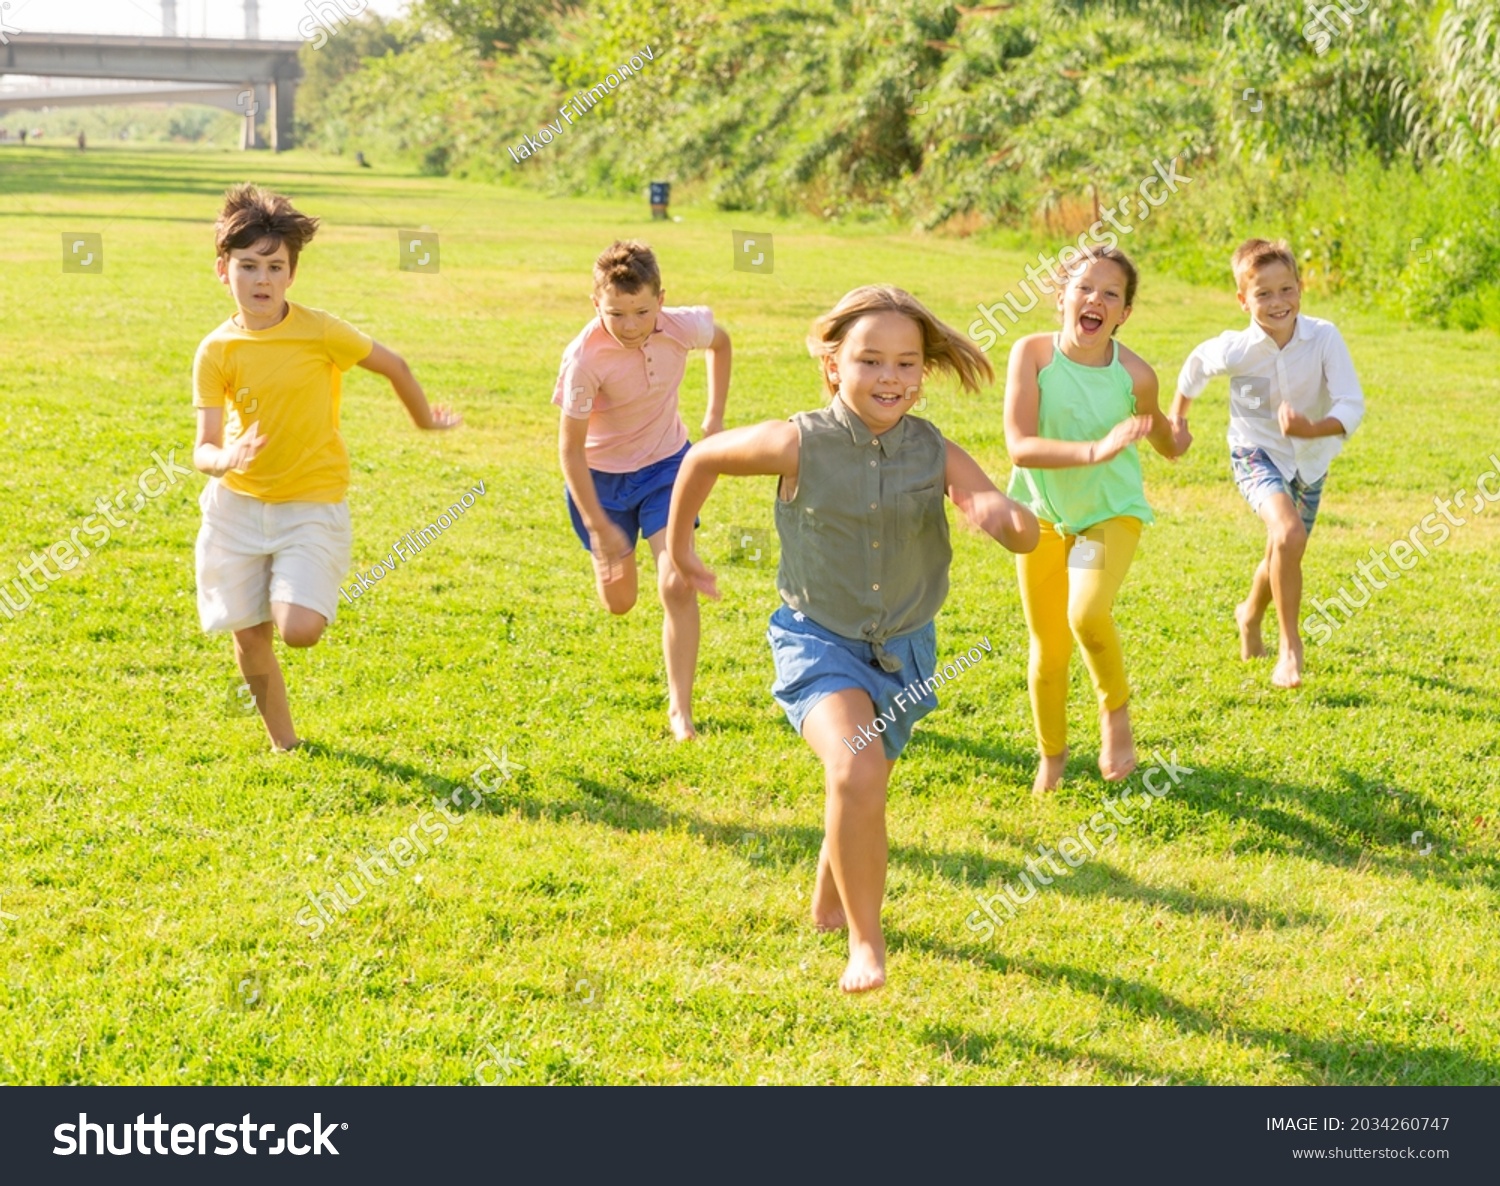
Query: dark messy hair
[[628, 266], [251, 214]]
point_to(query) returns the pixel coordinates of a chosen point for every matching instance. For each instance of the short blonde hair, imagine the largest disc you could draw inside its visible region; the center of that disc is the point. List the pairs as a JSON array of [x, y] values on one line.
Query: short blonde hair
[[1254, 254], [943, 347]]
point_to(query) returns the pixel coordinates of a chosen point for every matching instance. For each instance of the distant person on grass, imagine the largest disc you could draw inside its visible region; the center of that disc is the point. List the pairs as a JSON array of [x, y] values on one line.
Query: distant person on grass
[[1294, 401], [621, 441], [864, 570], [275, 541], [1076, 403]]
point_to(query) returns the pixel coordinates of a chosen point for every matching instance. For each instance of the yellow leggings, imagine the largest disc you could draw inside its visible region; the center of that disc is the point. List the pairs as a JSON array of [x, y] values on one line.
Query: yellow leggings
[[1069, 594]]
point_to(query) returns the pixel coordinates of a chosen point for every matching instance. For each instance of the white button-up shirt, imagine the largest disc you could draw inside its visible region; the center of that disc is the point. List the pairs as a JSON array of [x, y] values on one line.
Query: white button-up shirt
[[1313, 373]]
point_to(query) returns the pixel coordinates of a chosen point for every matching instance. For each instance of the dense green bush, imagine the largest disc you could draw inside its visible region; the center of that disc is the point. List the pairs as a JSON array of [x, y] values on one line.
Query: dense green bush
[[1371, 147]]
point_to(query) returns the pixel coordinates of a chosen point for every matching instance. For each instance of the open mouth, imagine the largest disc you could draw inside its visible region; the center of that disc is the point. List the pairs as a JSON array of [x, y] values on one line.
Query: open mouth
[[887, 399], [1090, 323]]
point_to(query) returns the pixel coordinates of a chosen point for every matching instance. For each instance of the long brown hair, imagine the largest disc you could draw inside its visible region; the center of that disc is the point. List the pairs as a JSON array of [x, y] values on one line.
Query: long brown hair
[[943, 347]]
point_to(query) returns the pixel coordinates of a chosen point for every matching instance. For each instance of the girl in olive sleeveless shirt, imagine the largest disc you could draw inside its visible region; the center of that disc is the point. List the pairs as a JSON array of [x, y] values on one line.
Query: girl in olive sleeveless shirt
[[1076, 403], [864, 569]]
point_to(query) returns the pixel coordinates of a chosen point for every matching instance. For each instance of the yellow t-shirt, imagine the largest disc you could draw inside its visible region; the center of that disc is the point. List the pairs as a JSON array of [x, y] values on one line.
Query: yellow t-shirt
[[289, 378]]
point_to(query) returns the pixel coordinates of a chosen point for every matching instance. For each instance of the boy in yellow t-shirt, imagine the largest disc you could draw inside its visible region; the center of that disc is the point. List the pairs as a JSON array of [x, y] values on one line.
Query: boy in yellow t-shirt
[[276, 542]]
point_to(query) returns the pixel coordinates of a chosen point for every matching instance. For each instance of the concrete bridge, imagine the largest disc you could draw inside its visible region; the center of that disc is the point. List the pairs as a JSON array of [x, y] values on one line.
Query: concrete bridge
[[262, 75]]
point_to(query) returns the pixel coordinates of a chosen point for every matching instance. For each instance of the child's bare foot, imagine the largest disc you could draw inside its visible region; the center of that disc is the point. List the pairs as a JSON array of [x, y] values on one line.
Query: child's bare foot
[[1252, 646], [682, 725], [1288, 673], [278, 748], [1049, 773], [866, 968], [1116, 745], [827, 907]]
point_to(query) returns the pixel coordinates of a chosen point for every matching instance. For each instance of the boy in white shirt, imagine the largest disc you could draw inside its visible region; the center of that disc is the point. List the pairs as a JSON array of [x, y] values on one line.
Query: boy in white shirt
[[1294, 400]]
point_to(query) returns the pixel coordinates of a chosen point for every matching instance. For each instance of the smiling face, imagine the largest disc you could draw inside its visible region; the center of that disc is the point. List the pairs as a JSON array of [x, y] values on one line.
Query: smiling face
[[629, 317], [878, 368], [1272, 295], [258, 281], [1093, 303]]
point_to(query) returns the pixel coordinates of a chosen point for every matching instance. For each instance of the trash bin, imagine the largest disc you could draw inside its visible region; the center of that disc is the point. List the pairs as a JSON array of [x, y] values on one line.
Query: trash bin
[[661, 193]]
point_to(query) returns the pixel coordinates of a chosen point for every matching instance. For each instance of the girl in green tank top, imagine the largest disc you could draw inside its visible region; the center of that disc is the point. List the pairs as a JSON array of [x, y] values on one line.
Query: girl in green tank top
[[1076, 403]]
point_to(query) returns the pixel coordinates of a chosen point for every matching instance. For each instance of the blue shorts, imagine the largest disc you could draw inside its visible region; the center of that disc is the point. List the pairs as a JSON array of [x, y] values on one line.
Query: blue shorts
[[637, 502], [1258, 478], [813, 663]]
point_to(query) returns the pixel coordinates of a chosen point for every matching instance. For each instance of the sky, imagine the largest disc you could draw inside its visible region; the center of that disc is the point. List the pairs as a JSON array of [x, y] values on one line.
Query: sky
[[142, 18]]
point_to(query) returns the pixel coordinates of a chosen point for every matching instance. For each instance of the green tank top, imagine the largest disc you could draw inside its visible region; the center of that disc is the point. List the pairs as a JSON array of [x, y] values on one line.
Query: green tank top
[[1082, 403], [864, 541]]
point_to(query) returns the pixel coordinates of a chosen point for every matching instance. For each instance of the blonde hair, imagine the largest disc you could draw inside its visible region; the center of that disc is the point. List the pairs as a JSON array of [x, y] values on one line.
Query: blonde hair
[[943, 347], [1253, 254]]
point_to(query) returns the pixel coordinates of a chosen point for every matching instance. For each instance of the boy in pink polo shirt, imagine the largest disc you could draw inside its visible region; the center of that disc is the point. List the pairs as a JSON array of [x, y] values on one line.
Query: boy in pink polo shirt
[[621, 441]]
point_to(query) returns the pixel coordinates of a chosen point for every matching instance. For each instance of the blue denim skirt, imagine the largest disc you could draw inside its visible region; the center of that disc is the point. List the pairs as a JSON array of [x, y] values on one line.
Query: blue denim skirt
[[813, 663]]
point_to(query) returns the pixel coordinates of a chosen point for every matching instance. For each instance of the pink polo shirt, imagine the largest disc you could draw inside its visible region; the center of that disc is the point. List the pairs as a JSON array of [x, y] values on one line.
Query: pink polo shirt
[[629, 397]]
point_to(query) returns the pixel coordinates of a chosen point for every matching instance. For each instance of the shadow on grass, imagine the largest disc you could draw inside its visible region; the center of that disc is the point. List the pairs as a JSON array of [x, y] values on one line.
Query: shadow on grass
[[1348, 1059]]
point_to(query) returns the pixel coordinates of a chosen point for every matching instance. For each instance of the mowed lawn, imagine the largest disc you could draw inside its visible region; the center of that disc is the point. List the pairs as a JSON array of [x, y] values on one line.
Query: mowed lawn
[[1314, 903]]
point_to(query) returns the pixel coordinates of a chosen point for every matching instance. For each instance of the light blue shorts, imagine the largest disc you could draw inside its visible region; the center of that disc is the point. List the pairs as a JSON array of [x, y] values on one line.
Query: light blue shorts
[[813, 663], [1258, 478]]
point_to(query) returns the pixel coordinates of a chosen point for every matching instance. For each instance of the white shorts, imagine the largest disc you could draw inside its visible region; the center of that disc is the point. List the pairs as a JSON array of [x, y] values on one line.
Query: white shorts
[[251, 553]]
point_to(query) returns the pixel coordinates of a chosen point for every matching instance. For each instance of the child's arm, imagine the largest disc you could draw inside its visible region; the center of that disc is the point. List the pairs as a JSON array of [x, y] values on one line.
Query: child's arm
[[984, 506], [717, 358], [1343, 386], [1177, 418], [607, 542], [1295, 424], [384, 361], [772, 447], [1207, 360], [209, 455], [1163, 436], [1022, 401]]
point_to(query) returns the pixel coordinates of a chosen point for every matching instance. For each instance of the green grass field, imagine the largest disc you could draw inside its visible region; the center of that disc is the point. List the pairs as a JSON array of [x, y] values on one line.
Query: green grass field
[[627, 910]]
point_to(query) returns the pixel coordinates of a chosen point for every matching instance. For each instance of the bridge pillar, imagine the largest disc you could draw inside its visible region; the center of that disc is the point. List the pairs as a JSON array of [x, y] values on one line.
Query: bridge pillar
[[280, 121], [256, 110]]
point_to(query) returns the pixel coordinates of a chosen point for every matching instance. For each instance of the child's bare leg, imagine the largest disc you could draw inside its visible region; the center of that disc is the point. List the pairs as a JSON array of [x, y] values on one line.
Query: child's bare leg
[[254, 651], [1116, 744], [298, 625], [827, 907], [1250, 612], [1049, 772], [679, 638], [615, 582], [1288, 541], [854, 820]]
